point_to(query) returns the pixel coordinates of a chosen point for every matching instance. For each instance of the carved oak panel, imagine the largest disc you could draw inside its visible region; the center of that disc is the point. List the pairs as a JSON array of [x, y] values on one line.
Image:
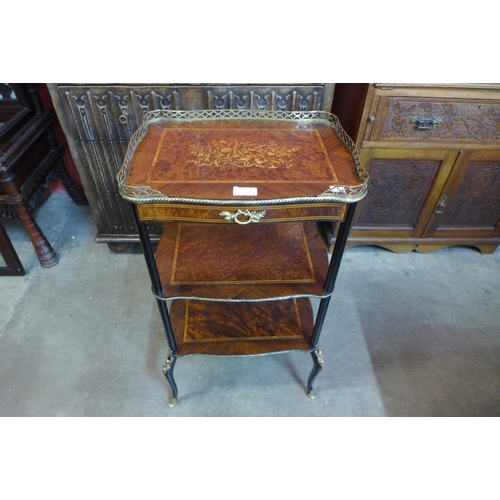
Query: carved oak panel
[[477, 200], [457, 121], [396, 192], [310, 99], [102, 160], [115, 113], [114, 217]]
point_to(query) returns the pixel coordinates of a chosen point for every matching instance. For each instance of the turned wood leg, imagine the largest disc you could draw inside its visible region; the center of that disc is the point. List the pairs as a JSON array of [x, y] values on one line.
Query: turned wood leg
[[44, 251], [7, 251]]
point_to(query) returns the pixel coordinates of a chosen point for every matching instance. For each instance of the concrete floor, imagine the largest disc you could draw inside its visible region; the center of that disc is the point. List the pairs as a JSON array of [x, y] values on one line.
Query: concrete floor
[[406, 335]]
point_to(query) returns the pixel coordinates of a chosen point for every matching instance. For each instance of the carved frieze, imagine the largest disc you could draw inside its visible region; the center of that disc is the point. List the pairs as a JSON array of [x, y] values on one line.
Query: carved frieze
[[272, 101]]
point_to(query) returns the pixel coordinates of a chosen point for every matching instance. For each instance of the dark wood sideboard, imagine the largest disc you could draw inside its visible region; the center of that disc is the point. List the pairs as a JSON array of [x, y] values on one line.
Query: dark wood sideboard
[[433, 156]]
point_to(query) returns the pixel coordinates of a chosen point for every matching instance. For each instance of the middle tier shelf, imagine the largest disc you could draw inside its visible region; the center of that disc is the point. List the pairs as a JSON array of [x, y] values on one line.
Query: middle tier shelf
[[232, 261]]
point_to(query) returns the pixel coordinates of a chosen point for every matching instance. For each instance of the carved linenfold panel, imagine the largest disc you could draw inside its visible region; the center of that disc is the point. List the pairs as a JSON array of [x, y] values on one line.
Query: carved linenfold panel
[[477, 200], [115, 217], [397, 191], [102, 160], [294, 101], [458, 121], [109, 116]]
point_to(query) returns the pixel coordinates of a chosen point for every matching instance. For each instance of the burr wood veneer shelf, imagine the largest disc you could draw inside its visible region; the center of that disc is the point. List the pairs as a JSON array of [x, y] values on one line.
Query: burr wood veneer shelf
[[235, 262], [242, 328], [239, 194]]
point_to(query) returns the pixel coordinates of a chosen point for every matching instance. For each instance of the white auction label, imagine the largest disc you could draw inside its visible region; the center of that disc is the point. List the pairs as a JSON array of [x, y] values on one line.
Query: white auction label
[[244, 191]]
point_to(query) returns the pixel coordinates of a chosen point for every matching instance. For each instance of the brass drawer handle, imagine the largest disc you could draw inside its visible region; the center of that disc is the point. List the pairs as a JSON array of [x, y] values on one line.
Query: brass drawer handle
[[252, 216], [426, 124], [123, 119]]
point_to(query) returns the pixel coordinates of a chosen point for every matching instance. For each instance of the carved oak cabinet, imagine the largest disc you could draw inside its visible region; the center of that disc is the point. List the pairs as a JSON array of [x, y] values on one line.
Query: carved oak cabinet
[[239, 194], [433, 154], [99, 120]]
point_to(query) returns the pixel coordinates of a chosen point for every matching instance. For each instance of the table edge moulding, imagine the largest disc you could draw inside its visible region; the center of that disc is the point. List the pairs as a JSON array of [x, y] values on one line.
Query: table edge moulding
[[242, 196]]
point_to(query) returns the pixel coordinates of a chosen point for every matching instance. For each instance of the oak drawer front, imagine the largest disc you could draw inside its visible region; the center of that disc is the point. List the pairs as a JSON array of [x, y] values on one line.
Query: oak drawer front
[[242, 214], [438, 119]]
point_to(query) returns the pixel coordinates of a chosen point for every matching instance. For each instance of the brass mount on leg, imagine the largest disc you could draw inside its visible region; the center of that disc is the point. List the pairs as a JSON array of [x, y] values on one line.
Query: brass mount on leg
[[166, 367]]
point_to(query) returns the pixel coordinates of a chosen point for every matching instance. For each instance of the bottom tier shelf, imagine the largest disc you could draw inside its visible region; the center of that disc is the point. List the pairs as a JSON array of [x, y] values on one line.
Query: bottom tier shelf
[[241, 328]]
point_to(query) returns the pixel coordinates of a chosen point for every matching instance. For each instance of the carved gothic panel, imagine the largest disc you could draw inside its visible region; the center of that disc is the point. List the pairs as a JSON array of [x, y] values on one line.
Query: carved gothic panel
[[109, 115], [115, 217], [284, 101], [477, 201], [458, 121], [115, 112], [102, 160], [396, 192]]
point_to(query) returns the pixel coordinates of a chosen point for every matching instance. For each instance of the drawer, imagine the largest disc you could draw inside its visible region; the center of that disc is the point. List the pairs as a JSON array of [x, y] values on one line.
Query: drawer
[[436, 119], [242, 214]]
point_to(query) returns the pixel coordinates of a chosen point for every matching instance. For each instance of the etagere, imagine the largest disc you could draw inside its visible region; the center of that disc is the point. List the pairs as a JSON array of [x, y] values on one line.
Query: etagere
[[240, 194]]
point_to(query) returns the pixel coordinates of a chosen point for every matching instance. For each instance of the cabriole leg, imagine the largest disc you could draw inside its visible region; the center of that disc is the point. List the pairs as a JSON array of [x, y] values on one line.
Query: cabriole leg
[[317, 356], [168, 371], [168, 366]]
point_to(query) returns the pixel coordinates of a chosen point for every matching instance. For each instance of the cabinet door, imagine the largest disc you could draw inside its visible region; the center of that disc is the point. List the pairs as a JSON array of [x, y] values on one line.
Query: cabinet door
[[404, 187], [470, 203]]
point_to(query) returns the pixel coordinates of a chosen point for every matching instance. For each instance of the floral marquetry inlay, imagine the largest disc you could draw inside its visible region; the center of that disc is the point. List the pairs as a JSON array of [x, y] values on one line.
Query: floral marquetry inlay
[[242, 154], [259, 155]]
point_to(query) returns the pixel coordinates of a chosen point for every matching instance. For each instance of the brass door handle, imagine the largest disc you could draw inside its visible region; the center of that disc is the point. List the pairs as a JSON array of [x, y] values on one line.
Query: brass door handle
[[425, 124], [252, 216]]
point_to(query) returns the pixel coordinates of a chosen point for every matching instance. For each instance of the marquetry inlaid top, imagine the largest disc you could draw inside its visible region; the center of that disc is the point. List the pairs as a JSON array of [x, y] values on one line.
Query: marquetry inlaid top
[[224, 156]]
